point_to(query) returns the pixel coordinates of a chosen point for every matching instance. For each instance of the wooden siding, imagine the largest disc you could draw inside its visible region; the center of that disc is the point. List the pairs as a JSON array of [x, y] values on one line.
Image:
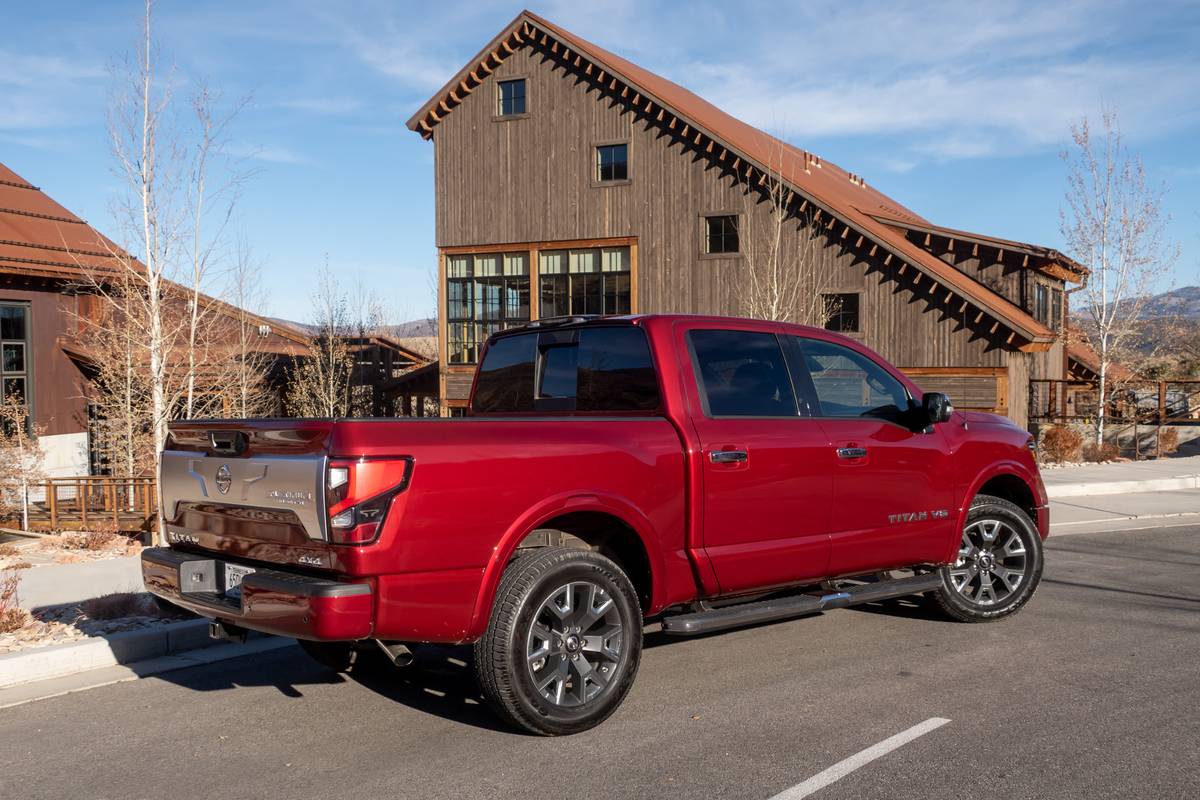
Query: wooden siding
[[529, 179], [58, 385]]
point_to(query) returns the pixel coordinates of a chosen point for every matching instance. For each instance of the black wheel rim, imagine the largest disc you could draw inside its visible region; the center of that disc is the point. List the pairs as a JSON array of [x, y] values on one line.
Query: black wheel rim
[[575, 644]]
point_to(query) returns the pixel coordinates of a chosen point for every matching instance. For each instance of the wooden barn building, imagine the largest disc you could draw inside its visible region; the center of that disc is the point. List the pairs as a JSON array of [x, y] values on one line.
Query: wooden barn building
[[570, 181]]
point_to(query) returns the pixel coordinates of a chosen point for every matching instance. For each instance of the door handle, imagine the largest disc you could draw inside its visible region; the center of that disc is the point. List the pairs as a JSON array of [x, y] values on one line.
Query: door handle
[[852, 452], [728, 456]]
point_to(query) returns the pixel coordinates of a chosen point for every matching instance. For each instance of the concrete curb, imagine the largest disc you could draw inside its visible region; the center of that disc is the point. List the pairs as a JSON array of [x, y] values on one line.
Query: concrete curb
[[1056, 491], [127, 647]]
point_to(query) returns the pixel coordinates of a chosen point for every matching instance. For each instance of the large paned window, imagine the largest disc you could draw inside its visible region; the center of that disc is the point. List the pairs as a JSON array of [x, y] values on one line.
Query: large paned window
[[612, 162], [485, 293], [593, 280], [15, 366], [841, 312]]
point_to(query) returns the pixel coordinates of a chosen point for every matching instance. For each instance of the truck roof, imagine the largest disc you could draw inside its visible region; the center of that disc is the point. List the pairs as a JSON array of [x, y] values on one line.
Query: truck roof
[[586, 320]]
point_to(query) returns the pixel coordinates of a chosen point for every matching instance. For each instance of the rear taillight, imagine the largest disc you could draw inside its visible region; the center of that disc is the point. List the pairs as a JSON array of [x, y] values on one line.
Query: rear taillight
[[358, 494]]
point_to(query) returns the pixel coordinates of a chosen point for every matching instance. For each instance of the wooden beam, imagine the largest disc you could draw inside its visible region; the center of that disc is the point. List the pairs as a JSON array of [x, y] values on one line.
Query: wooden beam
[[637, 98], [507, 47], [846, 232], [874, 248], [859, 242], [888, 260], [978, 317], [995, 326]]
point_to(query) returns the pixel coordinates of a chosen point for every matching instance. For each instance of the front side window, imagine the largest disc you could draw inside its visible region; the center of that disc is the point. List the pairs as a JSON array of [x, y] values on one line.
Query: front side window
[[592, 280], [742, 374], [511, 98], [485, 293], [14, 353], [848, 384], [721, 234], [612, 162], [841, 312], [1041, 303]]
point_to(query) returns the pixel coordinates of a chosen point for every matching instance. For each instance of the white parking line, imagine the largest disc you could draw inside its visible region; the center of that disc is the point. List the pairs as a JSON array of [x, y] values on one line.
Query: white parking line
[[859, 759]]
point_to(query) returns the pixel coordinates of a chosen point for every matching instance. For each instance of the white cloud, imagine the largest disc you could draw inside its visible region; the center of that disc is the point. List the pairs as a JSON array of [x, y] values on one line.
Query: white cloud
[[271, 154]]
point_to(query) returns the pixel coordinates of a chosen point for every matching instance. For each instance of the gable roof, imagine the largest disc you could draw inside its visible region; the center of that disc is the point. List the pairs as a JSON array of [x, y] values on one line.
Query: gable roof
[[40, 238], [844, 195]]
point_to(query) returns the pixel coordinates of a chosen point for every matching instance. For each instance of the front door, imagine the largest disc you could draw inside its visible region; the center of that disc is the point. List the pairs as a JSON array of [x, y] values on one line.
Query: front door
[[893, 486], [767, 466]]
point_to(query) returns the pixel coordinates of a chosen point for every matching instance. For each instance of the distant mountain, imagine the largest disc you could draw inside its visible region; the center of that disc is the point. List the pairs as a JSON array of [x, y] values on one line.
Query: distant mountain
[[1183, 302], [416, 327]]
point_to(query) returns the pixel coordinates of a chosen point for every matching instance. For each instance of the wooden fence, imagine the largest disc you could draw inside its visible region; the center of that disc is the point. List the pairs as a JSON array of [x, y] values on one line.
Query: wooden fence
[[89, 502], [1142, 402]]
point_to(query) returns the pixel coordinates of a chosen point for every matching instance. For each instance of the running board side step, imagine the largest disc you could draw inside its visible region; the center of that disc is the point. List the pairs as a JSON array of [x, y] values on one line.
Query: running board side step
[[743, 614]]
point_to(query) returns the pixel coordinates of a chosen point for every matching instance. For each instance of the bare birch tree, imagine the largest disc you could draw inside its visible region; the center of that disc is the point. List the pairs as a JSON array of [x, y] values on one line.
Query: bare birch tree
[[249, 393], [319, 385], [1114, 224], [21, 459], [786, 274]]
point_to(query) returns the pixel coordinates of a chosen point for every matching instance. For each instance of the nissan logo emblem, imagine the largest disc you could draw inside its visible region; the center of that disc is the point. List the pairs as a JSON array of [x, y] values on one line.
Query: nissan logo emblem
[[224, 479]]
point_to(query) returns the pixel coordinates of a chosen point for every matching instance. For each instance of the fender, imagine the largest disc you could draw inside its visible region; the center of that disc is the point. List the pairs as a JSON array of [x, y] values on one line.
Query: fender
[[543, 512], [994, 470]]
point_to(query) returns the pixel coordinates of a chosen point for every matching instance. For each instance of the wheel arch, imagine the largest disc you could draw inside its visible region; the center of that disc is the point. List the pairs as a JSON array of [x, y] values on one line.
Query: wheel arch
[[607, 524]]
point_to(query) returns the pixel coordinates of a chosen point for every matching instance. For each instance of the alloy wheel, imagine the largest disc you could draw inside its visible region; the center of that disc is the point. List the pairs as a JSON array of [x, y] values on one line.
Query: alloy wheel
[[991, 562], [574, 644]]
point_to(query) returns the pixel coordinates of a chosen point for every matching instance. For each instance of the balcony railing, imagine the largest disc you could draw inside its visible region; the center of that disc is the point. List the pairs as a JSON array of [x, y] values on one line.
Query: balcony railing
[[1142, 402]]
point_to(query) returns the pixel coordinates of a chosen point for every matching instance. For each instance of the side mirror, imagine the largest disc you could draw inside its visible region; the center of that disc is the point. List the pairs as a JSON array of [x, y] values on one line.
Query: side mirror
[[938, 407]]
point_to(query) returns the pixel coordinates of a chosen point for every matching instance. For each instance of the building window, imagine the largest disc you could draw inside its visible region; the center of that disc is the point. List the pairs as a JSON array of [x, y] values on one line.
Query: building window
[[1041, 303], [15, 363], [721, 234], [594, 280], [511, 97], [485, 293], [841, 312], [612, 162], [1056, 309]]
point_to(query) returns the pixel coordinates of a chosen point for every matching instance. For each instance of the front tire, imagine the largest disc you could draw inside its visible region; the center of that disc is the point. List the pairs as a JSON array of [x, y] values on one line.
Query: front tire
[[999, 564], [563, 643]]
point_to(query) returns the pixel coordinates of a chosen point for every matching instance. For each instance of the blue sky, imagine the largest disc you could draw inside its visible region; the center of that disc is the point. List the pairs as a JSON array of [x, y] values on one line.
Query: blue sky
[[957, 109]]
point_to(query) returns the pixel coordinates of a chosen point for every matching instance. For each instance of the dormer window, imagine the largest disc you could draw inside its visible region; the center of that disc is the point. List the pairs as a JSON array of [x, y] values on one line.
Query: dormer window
[[510, 97]]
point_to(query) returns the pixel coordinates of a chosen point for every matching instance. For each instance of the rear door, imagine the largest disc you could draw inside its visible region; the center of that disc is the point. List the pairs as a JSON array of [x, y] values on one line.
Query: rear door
[[767, 466], [893, 487]]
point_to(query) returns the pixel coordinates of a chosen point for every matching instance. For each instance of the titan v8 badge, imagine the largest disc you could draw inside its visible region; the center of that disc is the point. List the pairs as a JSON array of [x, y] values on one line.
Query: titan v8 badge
[[918, 516]]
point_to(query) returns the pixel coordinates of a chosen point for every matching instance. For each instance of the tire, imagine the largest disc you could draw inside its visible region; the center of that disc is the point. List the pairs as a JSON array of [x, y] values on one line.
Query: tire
[[580, 612], [999, 565], [337, 656]]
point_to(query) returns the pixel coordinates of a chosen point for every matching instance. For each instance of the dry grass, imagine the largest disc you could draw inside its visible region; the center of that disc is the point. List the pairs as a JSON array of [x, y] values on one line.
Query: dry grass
[[1061, 443], [9, 550], [13, 619], [20, 565], [1105, 452], [1168, 441], [91, 540]]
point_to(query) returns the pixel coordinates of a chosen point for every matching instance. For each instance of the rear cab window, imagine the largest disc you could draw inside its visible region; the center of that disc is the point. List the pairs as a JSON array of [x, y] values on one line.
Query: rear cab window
[[596, 370], [742, 374]]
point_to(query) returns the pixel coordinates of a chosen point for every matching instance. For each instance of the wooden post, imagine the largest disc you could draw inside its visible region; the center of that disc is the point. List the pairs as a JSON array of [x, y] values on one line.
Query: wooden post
[[1162, 402], [52, 500], [112, 499], [79, 498]]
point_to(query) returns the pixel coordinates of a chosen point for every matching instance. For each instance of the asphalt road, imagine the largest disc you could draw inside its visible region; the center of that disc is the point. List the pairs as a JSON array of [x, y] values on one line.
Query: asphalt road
[[1090, 692]]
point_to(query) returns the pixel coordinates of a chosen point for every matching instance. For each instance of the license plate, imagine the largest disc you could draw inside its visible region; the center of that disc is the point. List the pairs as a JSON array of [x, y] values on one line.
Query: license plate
[[233, 579]]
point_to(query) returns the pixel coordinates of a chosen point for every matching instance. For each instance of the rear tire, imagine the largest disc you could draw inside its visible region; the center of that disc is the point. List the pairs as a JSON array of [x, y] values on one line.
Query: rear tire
[[999, 563], [563, 643]]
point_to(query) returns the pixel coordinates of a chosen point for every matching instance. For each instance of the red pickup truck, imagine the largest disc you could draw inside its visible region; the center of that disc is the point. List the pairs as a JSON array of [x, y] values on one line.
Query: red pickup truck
[[701, 472]]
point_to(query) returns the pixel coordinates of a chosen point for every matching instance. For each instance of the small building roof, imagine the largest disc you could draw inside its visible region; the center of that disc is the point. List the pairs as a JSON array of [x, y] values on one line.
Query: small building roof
[[40, 238], [842, 194]]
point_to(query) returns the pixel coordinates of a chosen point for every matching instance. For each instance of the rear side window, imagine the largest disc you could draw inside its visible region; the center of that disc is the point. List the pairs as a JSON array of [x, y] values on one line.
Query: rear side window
[[505, 381], [601, 369], [742, 374], [848, 384]]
